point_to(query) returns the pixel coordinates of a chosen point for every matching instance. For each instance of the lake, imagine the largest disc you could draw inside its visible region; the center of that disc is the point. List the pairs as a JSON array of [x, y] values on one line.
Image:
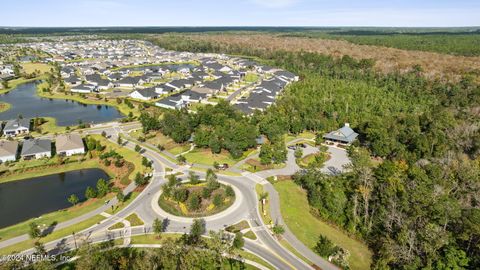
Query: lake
[[25, 199], [26, 102]]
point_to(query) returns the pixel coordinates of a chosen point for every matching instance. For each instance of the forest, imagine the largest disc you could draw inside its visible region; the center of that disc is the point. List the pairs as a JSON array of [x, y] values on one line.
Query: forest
[[413, 191], [465, 43]]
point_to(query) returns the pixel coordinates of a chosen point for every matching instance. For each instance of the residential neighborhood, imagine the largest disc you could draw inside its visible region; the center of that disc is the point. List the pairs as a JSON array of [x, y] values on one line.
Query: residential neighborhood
[[173, 80]]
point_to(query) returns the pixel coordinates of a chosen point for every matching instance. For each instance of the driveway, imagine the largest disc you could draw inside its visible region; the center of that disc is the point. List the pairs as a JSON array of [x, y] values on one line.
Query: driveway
[[337, 162]]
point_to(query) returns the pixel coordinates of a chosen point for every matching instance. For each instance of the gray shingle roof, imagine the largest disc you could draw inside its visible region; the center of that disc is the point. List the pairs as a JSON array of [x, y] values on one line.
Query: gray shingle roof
[[36, 146]]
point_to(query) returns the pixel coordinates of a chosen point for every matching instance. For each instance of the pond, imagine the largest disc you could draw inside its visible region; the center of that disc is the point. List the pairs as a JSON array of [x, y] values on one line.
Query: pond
[[27, 103], [25, 199]]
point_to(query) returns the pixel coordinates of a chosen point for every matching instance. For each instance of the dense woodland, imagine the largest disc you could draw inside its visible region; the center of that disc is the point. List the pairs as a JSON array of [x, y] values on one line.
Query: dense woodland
[[417, 205], [454, 42], [216, 127]]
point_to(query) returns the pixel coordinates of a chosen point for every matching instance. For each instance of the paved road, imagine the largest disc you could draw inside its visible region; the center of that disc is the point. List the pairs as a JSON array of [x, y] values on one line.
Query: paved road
[[245, 208]]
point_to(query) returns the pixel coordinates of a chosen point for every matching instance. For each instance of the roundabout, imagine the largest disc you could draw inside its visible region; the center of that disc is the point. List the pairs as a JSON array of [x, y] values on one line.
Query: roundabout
[[227, 211]]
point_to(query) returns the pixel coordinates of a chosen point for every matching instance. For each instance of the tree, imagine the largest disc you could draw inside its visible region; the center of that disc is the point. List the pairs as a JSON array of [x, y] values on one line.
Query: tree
[[194, 202], [146, 162], [266, 154], [217, 200], [73, 199], [172, 180], [238, 241], [138, 148], [102, 188], [119, 140], [180, 194], [229, 191], [34, 231], [104, 134], [196, 230], [324, 247], [140, 179], [193, 178], [90, 193], [39, 248], [278, 229], [181, 159], [298, 153], [120, 196], [157, 226]]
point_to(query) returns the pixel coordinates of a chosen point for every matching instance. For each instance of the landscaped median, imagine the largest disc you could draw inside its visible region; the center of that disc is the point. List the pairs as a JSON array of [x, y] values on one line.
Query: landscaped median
[[307, 228], [196, 198]]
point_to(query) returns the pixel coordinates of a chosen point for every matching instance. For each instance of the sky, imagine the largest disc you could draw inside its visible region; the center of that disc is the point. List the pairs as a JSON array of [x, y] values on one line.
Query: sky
[[406, 13]]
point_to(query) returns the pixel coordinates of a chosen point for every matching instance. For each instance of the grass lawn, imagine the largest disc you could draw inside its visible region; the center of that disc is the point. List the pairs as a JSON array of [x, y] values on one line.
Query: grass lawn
[[252, 257], [30, 68], [53, 236], [206, 157], [251, 77], [50, 127], [153, 238], [254, 165], [115, 226], [238, 227], [4, 107], [50, 218], [267, 219], [134, 220], [158, 138], [307, 228], [250, 235], [128, 199], [303, 135]]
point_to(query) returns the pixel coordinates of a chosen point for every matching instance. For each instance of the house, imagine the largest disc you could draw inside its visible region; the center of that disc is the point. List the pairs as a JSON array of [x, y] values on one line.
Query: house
[[16, 127], [84, 88], [73, 81], [36, 148], [344, 135], [180, 84], [8, 151], [69, 144], [130, 81], [145, 94], [164, 89]]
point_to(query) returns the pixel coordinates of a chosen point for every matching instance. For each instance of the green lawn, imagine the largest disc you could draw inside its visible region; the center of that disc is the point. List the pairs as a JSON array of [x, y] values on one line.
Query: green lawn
[[307, 228], [250, 235], [267, 219], [53, 236], [128, 199], [117, 225], [304, 135], [238, 227], [206, 157], [29, 68], [134, 220]]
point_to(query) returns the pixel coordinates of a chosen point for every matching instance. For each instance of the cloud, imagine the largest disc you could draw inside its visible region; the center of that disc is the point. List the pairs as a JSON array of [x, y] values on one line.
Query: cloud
[[275, 3]]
